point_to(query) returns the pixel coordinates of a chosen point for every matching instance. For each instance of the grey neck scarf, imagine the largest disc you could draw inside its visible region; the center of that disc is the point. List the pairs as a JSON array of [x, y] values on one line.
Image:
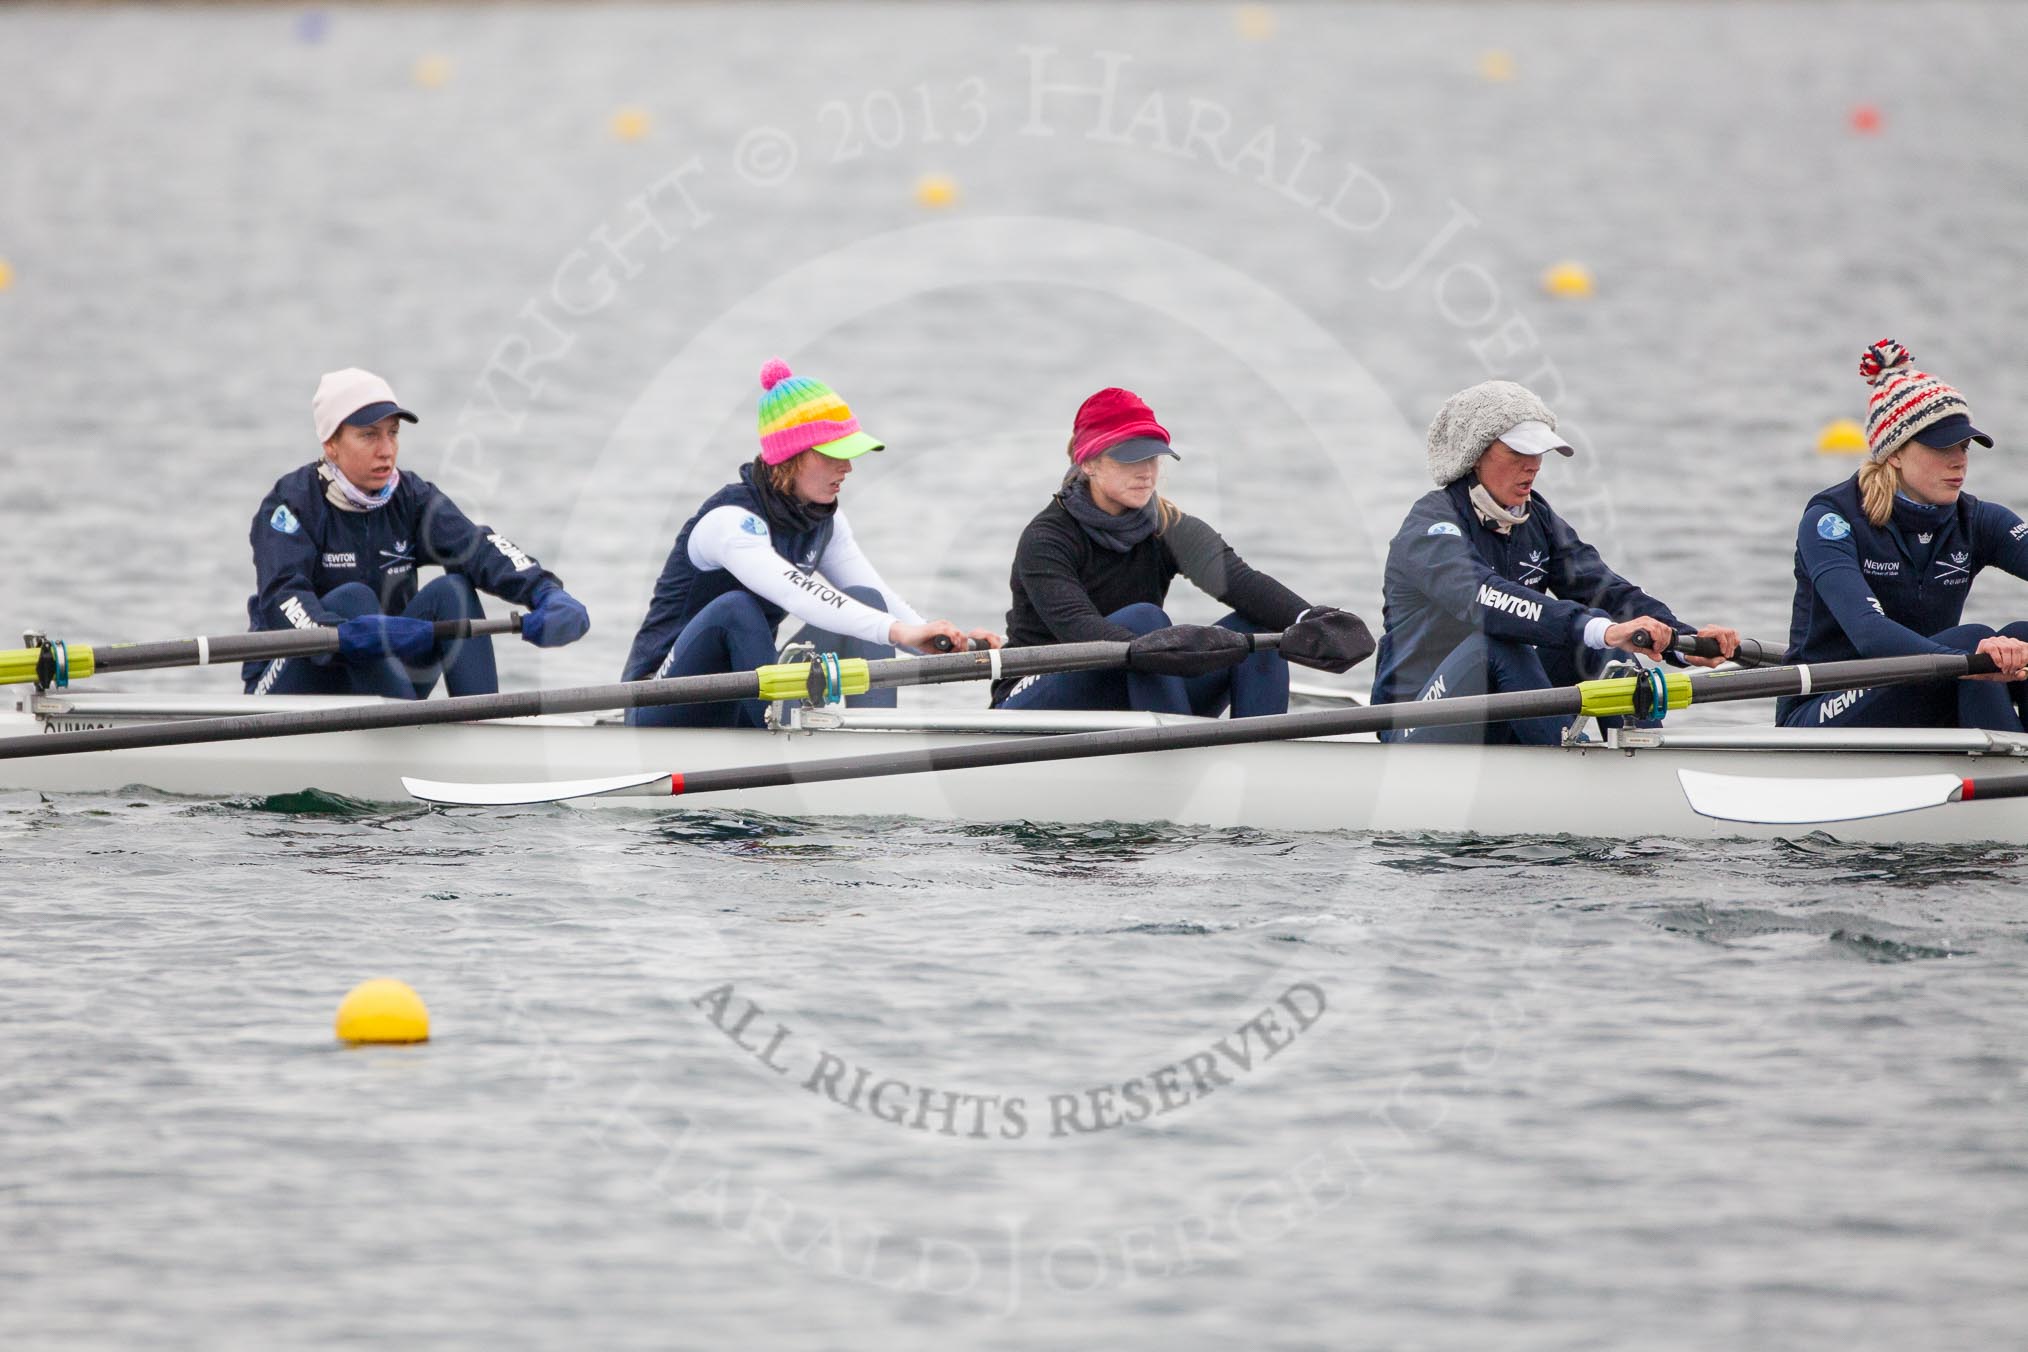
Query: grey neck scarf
[[1116, 533]]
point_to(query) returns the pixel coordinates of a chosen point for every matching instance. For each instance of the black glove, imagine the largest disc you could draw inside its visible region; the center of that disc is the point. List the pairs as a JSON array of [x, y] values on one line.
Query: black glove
[[1328, 639], [1188, 650]]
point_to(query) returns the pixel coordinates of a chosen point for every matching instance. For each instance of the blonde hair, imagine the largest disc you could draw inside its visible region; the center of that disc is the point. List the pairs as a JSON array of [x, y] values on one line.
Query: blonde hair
[[1879, 481], [1167, 513]]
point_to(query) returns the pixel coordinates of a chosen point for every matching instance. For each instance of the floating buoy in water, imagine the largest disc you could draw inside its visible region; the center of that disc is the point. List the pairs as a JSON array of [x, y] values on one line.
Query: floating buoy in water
[[383, 1010], [1496, 66], [1569, 280], [630, 124], [1842, 436], [311, 25], [433, 72], [6, 274], [935, 190], [1256, 23], [1864, 119]]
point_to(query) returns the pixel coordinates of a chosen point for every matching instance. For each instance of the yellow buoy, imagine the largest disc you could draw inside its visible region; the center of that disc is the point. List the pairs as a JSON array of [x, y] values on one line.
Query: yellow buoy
[[1567, 279], [6, 274], [630, 124], [1256, 23], [1842, 436], [935, 190], [383, 1010], [433, 72], [1496, 66]]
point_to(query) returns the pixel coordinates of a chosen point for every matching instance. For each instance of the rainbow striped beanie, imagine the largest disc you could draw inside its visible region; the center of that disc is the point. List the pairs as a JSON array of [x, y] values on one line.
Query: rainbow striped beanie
[[1905, 401], [799, 414]]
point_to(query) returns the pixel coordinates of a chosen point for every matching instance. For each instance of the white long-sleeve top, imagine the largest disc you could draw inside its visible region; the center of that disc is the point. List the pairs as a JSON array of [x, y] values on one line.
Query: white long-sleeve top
[[736, 540]]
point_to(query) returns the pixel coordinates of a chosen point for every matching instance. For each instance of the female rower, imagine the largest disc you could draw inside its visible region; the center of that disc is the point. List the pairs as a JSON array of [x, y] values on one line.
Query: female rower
[[1489, 590], [1097, 562], [771, 545], [337, 542], [1885, 560]]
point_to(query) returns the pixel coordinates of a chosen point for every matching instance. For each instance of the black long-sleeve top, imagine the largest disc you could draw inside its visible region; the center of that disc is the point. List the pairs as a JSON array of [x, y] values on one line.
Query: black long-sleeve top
[[1065, 584]]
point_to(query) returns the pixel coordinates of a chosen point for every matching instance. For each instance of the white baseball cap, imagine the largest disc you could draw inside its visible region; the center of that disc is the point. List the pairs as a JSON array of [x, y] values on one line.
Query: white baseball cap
[[1534, 438], [353, 398]]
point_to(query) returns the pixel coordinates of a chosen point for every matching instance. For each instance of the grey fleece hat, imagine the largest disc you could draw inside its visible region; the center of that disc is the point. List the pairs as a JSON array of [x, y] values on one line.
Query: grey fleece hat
[[1473, 419]]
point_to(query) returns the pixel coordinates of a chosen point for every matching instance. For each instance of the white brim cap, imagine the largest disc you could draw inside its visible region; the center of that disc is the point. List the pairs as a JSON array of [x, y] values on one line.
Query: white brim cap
[[1534, 438], [341, 394]]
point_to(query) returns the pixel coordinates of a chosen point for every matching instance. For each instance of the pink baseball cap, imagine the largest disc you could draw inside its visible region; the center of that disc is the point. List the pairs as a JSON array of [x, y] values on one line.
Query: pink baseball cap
[[1117, 422], [353, 398]]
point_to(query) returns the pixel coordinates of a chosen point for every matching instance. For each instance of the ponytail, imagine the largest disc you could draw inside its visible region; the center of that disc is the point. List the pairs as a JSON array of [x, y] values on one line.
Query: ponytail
[[1879, 481]]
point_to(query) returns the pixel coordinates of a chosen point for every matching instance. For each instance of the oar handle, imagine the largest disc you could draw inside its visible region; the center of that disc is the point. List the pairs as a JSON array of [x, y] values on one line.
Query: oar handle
[[1751, 652]]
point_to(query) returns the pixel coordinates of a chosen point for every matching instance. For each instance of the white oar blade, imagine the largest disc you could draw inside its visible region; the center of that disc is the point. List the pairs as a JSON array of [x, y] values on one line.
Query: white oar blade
[[540, 791], [1797, 802]]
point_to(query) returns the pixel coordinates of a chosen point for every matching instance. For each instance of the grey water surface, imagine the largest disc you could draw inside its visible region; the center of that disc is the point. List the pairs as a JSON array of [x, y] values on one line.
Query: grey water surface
[[705, 1079]]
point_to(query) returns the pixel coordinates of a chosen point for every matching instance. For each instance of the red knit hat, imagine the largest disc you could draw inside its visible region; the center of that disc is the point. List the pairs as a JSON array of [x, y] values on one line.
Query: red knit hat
[[1109, 418]]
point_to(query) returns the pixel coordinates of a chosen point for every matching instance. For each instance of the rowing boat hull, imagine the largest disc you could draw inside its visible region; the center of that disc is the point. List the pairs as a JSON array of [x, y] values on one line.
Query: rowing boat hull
[[1335, 784]]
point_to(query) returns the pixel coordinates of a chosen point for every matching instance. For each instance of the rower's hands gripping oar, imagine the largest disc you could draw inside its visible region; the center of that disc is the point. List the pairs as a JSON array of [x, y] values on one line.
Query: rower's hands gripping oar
[[1712, 645], [1708, 647], [941, 636], [558, 618], [1328, 639], [2009, 657], [1323, 637], [368, 638]]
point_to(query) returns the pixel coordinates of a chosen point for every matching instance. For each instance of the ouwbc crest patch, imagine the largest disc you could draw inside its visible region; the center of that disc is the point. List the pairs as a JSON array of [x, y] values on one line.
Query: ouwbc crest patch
[[1833, 527], [1443, 528], [284, 520]]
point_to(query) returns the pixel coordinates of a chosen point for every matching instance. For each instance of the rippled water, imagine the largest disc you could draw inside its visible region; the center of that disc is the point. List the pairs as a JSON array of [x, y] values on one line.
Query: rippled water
[[1390, 1092]]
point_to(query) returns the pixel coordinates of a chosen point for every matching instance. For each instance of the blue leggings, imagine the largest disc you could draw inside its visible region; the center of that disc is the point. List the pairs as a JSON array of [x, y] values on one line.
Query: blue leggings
[[466, 665], [1259, 685], [1491, 666], [1991, 705], [732, 633]]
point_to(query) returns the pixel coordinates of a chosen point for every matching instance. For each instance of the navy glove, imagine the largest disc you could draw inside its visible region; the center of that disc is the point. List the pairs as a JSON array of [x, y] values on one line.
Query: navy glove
[[557, 619], [372, 637]]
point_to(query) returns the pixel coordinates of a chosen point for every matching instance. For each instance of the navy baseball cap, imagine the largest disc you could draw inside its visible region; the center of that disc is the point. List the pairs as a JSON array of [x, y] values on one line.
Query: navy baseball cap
[[1948, 432], [373, 413], [1136, 449]]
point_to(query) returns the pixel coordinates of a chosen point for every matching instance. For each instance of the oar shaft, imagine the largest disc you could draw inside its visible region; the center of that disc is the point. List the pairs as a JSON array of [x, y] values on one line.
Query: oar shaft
[[263, 645], [1126, 741], [1589, 697], [61, 662], [794, 679], [1993, 786]]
